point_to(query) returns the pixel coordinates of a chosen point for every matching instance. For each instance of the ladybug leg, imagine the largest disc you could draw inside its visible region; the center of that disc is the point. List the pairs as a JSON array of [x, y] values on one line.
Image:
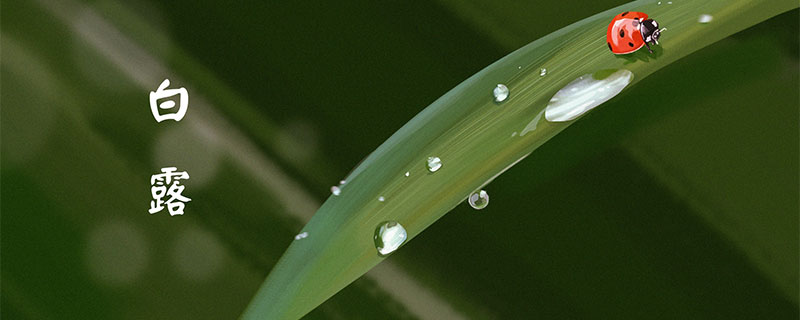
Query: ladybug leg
[[648, 47]]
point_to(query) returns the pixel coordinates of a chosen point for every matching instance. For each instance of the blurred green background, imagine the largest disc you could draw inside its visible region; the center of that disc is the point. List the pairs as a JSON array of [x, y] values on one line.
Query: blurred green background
[[677, 199]]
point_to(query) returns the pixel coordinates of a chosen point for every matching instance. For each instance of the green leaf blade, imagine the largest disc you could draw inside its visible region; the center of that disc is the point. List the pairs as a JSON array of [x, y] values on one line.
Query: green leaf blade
[[474, 137]]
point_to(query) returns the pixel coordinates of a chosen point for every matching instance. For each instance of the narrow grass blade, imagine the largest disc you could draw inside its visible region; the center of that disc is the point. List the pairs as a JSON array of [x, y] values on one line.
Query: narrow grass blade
[[477, 138]]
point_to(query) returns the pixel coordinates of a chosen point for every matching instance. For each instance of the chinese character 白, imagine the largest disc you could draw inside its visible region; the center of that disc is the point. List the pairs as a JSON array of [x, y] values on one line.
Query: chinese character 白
[[162, 93], [168, 184]]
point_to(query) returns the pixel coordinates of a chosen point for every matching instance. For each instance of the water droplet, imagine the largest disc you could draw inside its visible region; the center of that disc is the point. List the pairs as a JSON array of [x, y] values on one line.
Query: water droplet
[[585, 93], [301, 236], [389, 236], [514, 134], [336, 191], [408, 173], [543, 72], [500, 93], [381, 199], [705, 18], [341, 182], [659, 3], [519, 67], [669, 2], [434, 163], [478, 200]]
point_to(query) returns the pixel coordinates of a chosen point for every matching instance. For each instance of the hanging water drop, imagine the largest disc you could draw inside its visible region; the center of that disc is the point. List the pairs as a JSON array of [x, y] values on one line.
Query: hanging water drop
[[478, 200], [434, 163], [543, 72], [341, 182], [381, 199], [389, 236], [407, 174], [705, 18], [500, 93], [336, 190]]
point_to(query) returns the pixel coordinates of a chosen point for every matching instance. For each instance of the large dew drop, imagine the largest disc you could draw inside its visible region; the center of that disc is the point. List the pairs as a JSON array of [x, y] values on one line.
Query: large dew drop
[[500, 93], [389, 236], [585, 93], [434, 163], [478, 200], [336, 190]]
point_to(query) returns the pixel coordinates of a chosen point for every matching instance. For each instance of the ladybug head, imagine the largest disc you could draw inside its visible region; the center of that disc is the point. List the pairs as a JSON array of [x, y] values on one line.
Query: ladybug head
[[650, 31]]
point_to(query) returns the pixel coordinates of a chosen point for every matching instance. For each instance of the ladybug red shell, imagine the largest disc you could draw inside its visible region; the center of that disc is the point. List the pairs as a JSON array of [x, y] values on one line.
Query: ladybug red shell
[[629, 31]]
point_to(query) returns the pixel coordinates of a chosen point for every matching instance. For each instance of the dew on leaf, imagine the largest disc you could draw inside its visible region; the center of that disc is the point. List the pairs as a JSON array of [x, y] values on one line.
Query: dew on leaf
[[389, 236]]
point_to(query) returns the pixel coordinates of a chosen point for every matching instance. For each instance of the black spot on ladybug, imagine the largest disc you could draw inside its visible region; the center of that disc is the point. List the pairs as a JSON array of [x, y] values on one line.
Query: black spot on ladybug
[[622, 33], [624, 13], [630, 44], [609, 46]]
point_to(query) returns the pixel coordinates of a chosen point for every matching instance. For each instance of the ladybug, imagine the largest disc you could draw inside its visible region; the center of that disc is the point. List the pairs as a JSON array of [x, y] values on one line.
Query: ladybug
[[631, 30]]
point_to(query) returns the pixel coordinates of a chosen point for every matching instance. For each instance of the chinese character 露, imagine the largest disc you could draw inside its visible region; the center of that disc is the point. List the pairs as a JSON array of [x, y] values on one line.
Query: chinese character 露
[[162, 93], [168, 184]]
